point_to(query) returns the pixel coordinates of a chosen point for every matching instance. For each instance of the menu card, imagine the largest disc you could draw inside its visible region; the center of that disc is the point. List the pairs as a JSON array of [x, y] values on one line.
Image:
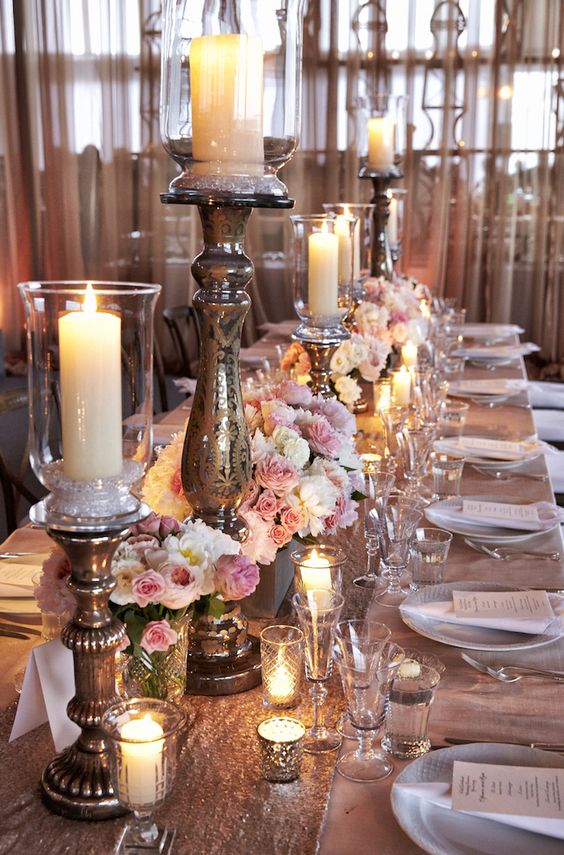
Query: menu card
[[524, 605], [500, 510], [522, 790]]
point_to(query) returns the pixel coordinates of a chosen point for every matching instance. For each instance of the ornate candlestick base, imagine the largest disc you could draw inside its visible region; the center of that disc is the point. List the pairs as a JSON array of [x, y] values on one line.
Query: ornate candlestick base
[[320, 345], [381, 263], [77, 783]]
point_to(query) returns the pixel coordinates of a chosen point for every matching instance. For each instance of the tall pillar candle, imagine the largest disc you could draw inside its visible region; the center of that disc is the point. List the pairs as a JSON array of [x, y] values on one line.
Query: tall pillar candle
[[409, 354], [393, 220], [323, 273], [90, 363], [380, 142], [226, 78], [342, 230], [401, 387]]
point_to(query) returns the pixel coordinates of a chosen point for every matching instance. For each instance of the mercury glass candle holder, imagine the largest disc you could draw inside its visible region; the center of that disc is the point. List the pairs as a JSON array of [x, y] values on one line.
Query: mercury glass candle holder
[[90, 361], [323, 282], [231, 93], [318, 567], [143, 735], [281, 656], [281, 742]]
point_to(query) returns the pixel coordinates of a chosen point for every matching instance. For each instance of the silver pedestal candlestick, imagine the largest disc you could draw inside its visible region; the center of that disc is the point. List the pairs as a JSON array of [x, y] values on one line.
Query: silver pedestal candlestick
[[320, 353]]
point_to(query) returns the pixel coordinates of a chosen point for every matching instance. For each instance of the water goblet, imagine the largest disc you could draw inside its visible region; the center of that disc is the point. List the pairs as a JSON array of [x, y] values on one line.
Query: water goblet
[[366, 684], [379, 479], [318, 612], [415, 446], [396, 519], [393, 420], [143, 738]]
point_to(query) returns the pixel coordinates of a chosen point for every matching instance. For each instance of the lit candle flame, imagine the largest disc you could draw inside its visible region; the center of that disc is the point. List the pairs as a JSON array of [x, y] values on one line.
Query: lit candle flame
[[89, 304]]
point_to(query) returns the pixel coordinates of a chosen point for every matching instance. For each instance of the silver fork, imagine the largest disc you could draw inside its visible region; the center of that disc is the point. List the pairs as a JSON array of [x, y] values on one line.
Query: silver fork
[[512, 673], [501, 554]]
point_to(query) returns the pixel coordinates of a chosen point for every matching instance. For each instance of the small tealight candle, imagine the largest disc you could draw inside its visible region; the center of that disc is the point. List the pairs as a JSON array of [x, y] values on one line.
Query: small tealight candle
[[401, 389], [281, 742], [369, 457], [142, 771], [281, 655], [409, 354]]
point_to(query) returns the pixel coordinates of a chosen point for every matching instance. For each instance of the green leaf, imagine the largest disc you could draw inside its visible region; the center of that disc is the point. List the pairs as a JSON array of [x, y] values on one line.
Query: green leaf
[[216, 607], [357, 496]]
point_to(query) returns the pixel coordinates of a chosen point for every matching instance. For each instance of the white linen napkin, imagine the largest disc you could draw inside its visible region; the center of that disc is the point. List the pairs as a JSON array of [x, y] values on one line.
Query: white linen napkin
[[487, 386], [439, 793], [444, 611], [545, 394], [482, 446], [549, 516], [489, 330], [502, 351]]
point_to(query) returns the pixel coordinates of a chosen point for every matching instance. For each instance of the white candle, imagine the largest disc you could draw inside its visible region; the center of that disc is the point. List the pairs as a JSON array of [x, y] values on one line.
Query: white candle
[[380, 142], [90, 360], [393, 220], [401, 390], [280, 683], [226, 78], [142, 770], [315, 573], [281, 729], [409, 354], [342, 230], [323, 273]]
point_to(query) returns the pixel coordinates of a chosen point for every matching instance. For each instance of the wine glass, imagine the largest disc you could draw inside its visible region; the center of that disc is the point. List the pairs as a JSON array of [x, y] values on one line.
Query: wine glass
[[318, 612], [415, 447], [366, 683], [379, 479], [395, 520]]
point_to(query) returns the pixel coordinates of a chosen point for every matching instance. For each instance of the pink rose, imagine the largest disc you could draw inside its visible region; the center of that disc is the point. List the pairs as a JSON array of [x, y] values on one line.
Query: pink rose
[[158, 635], [147, 588], [294, 393], [267, 505], [279, 535], [291, 519], [322, 438], [140, 543], [168, 525], [183, 586], [124, 643], [150, 525], [276, 474], [250, 496], [236, 576]]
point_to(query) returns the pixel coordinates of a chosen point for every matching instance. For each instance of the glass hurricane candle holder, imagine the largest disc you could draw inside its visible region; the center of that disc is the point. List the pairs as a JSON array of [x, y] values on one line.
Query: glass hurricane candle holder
[[396, 220], [281, 743], [143, 735], [318, 567], [362, 238], [90, 372], [281, 656], [381, 133], [231, 93]]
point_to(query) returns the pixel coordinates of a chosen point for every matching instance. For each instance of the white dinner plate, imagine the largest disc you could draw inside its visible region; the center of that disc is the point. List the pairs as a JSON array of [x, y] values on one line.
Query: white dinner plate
[[473, 637], [489, 333], [23, 606], [487, 388], [441, 831], [532, 448], [481, 531]]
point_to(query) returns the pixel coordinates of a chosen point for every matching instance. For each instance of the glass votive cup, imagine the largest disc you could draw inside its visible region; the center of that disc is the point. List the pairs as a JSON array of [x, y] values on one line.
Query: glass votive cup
[[382, 390], [446, 470], [318, 567], [143, 740], [452, 418], [429, 553], [454, 366], [281, 741], [407, 714], [281, 656]]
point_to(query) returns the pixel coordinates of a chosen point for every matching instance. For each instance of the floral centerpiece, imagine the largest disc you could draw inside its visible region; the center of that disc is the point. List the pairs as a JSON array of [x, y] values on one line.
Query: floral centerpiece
[[305, 471], [389, 315], [165, 571]]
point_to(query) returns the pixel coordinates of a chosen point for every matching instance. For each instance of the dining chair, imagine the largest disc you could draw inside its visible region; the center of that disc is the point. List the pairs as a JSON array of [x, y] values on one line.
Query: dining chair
[[184, 327], [12, 483]]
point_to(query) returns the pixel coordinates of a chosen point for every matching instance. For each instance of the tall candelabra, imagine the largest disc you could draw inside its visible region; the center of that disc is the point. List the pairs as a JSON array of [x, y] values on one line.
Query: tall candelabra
[[230, 97]]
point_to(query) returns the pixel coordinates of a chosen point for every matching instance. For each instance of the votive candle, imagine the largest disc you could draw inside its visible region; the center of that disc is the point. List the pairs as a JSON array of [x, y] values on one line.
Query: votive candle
[[141, 777]]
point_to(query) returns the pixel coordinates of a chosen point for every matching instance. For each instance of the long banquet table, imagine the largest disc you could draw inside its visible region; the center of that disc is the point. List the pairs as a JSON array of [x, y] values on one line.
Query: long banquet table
[[220, 804]]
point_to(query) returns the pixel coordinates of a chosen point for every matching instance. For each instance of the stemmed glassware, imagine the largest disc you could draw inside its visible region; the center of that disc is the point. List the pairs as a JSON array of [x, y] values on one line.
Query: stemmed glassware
[[379, 479], [318, 612], [415, 446], [367, 676], [395, 520]]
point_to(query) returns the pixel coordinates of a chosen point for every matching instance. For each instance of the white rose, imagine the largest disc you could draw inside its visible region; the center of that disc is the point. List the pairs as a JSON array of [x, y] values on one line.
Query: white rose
[[348, 390], [340, 362], [124, 572], [358, 349]]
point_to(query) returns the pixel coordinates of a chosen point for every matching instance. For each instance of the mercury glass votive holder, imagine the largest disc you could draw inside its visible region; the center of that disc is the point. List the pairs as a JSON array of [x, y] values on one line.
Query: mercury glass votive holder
[[318, 567], [281, 743], [143, 738], [281, 656]]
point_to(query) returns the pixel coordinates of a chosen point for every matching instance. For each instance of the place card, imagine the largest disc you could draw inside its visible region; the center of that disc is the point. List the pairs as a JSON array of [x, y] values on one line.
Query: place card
[[500, 511], [522, 790], [521, 605], [48, 686], [480, 442]]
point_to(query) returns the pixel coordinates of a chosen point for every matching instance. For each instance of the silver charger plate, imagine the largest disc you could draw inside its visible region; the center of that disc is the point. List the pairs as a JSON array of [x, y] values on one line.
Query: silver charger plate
[[480, 531], [473, 637], [440, 831]]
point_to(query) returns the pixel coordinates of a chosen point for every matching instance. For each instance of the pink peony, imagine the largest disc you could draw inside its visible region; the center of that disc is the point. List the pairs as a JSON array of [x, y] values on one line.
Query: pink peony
[[52, 593], [267, 505], [277, 474], [147, 588], [183, 585], [250, 496], [236, 576], [258, 546], [158, 635], [176, 483], [291, 519], [294, 393], [279, 535], [322, 438], [140, 543], [337, 415], [344, 514], [398, 317], [276, 412]]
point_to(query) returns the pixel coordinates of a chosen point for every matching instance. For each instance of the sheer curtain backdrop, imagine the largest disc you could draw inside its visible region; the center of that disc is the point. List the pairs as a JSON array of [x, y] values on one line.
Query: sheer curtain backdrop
[[81, 164]]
